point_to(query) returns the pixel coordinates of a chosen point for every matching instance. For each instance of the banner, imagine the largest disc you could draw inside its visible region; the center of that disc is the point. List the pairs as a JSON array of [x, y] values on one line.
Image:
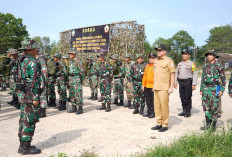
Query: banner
[[91, 39]]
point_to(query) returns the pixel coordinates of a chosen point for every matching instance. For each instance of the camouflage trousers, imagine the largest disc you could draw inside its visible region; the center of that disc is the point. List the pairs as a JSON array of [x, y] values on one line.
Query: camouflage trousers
[[75, 91], [62, 91], [129, 90], [44, 98], [118, 89], [105, 88], [51, 87], [139, 98], [28, 117], [93, 83], [210, 102]]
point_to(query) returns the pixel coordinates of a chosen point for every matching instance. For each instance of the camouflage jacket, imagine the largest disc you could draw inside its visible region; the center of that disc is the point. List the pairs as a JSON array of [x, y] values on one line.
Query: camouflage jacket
[[92, 68], [29, 71], [105, 70], [230, 85], [128, 67], [62, 70], [76, 69], [13, 69], [44, 70], [212, 75], [136, 72], [119, 70]]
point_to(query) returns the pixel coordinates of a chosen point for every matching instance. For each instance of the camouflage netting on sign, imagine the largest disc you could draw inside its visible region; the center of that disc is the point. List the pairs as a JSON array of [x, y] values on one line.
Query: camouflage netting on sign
[[125, 37]]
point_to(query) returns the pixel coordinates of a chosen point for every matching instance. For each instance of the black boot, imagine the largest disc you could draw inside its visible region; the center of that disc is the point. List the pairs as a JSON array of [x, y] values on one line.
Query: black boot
[[136, 110], [58, 106], [115, 101], [141, 112], [3, 89], [12, 101], [121, 103], [16, 104], [28, 149], [103, 107], [73, 110], [188, 113], [208, 123], [52, 103], [128, 104], [95, 97], [182, 113], [80, 110], [43, 113], [63, 106], [108, 109], [92, 96], [152, 115]]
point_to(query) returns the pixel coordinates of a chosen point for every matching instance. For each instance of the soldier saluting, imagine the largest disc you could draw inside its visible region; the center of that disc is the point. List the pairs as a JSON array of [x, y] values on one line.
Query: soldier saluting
[[211, 90], [186, 75]]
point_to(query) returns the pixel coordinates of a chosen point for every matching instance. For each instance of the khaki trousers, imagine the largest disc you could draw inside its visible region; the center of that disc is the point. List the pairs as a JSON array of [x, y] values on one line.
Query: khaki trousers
[[161, 105]]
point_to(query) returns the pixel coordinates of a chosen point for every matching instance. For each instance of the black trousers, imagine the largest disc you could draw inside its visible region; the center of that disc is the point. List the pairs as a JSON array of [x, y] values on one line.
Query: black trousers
[[185, 89], [149, 98]]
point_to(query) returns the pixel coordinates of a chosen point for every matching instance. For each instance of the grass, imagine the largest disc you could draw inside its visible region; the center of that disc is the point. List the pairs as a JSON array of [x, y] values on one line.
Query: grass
[[208, 144]]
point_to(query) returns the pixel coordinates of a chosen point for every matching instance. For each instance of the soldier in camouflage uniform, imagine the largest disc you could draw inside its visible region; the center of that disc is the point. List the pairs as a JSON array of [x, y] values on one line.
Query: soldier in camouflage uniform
[[212, 73], [230, 86], [66, 60], [44, 82], [119, 75], [93, 78], [135, 77], [12, 80], [128, 84], [76, 78], [61, 76], [28, 91], [105, 74]]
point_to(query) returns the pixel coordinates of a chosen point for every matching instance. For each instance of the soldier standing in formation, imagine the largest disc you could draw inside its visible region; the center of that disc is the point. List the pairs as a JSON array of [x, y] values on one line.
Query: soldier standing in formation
[[147, 86], [28, 89], [128, 84], [186, 76], [13, 70], [230, 86], [61, 76], [76, 78], [164, 76], [105, 74], [211, 89], [44, 83], [66, 60], [118, 81], [135, 77], [93, 78]]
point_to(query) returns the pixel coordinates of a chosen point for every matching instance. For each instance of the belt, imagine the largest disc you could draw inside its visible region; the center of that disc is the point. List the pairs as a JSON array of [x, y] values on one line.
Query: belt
[[185, 80]]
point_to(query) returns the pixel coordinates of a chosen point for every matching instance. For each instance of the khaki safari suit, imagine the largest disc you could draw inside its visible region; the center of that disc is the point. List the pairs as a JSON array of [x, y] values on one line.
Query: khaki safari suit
[[163, 67]]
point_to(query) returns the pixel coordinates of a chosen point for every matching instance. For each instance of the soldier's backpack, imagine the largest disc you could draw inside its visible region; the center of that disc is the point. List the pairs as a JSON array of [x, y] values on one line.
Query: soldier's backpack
[[52, 68]]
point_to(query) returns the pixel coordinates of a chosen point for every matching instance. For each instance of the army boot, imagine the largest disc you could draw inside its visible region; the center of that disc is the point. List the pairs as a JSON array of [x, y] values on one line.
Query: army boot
[[16, 104], [3, 89], [115, 101], [121, 103], [80, 110], [188, 113], [43, 113], [73, 110], [12, 101], [52, 103], [128, 104], [95, 97], [108, 109], [136, 110], [208, 123], [182, 113], [63, 106], [92, 96], [141, 110], [26, 149], [103, 107]]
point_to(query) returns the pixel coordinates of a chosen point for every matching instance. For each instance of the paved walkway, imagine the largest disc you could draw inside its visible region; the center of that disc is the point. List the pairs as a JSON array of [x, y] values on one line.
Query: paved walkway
[[117, 133]]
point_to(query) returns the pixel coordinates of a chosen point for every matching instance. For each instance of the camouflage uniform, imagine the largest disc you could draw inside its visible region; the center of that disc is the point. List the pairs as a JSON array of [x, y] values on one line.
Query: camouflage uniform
[[128, 84], [136, 75], [230, 85], [212, 73], [76, 78], [105, 74], [28, 90], [66, 64], [118, 82], [93, 78]]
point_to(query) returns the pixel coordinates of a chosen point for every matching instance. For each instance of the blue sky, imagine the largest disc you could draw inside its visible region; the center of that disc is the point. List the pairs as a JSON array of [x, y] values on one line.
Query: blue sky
[[161, 18]]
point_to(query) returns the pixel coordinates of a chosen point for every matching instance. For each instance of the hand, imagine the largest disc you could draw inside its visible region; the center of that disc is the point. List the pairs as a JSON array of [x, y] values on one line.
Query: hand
[[200, 93], [143, 88], [231, 95], [175, 85], [193, 87], [36, 103], [128, 84], [170, 90], [220, 93]]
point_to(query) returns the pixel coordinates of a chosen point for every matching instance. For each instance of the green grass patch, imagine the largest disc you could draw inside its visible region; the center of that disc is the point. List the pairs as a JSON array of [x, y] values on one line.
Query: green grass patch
[[207, 144]]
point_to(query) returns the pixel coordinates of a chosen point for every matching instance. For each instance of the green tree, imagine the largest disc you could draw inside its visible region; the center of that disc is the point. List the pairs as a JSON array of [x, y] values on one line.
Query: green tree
[[12, 32], [220, 38]]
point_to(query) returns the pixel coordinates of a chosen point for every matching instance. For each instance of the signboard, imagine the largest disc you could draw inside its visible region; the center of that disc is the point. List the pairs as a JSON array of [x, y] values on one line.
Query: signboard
[[91, 39]]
